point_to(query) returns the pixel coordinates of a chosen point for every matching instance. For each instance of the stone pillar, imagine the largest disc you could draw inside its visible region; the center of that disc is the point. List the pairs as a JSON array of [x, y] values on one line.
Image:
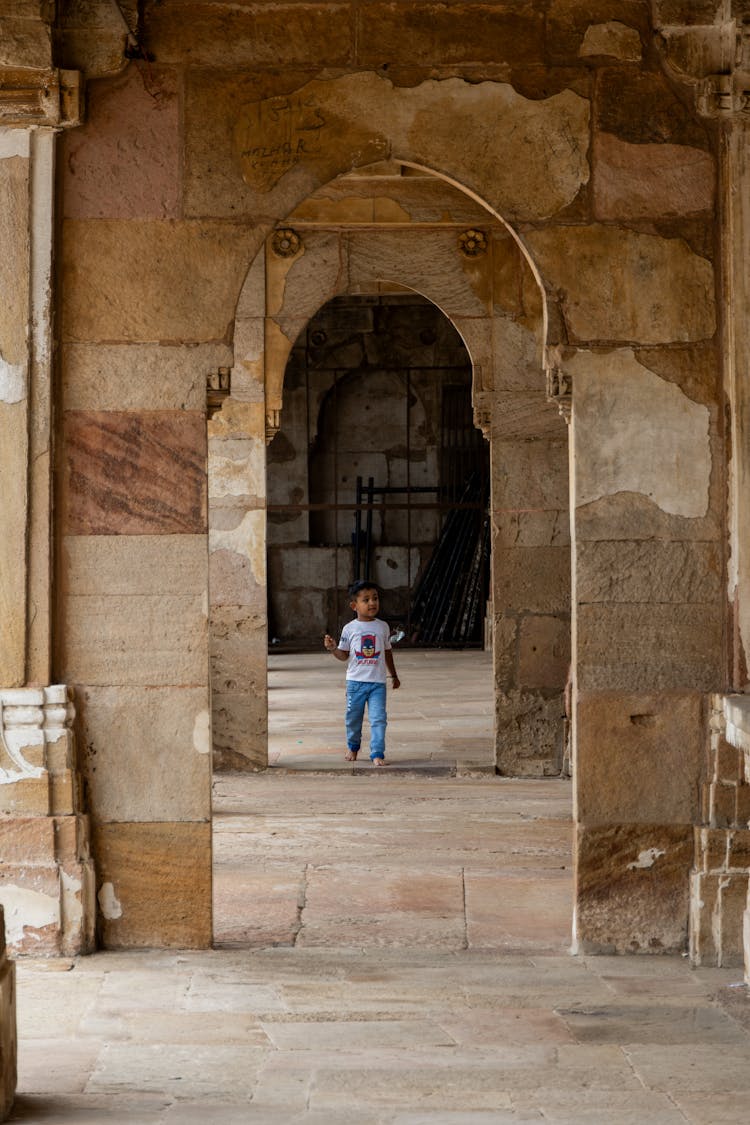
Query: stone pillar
[[237, 544], [7, 1027], [647, 636], [46, 878]]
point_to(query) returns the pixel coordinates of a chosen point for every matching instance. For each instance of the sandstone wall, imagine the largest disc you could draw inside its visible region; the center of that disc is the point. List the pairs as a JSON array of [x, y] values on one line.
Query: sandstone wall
[[563, 123]]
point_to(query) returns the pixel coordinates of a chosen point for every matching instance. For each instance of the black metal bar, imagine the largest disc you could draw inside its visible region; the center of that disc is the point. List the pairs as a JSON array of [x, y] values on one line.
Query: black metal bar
[[357, 529], [368, 525]]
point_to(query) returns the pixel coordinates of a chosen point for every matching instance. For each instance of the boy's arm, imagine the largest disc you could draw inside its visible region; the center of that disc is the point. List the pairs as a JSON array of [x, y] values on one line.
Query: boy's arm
[[391, 668], [339, 653]]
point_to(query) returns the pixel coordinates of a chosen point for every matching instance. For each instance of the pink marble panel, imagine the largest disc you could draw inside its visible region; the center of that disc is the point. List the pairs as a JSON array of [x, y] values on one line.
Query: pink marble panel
[[135, 473]]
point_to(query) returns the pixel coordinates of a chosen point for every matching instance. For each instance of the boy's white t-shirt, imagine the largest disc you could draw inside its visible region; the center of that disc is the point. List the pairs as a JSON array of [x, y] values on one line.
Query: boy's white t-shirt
[[366, 642]]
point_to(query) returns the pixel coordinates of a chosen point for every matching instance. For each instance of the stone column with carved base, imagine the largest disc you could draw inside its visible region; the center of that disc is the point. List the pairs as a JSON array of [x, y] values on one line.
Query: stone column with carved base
[[46, 877]]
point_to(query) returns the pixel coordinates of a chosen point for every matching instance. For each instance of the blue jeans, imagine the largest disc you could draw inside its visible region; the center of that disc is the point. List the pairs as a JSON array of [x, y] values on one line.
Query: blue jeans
[[357, 695]]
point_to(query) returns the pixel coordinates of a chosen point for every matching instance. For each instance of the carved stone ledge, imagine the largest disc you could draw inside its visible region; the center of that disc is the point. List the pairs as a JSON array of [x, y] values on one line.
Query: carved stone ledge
[[40, 97], [47, 879]]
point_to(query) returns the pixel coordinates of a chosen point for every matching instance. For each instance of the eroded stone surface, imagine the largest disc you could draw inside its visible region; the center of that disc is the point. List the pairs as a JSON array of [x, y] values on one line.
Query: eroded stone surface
[[624, 286]]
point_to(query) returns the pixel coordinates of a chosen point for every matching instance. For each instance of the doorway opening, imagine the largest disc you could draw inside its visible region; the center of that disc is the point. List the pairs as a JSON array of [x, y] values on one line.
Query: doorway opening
[[378, 472]]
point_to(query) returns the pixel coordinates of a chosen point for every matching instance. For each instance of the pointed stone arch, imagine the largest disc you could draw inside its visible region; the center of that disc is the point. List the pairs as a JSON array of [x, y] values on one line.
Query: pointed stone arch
[[475, 269]]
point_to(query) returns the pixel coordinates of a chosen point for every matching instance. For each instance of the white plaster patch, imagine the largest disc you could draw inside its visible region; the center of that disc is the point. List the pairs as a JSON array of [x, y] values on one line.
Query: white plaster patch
[[71, 901], [202, 733], [12, 381], [637, 432], [14, 142], [108, 902], [614, 39], [646, 859], [26, 908], [246, 539], [243, 477]]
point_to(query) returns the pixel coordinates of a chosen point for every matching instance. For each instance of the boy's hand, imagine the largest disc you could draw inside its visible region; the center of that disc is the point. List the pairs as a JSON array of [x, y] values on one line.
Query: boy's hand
[[329, 642], [395, 682]]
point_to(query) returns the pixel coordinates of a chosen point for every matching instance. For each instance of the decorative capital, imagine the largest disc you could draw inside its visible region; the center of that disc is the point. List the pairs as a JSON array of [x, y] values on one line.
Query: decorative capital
[[472, 243], [482, 405], [218, 388], [273, 422], [560, 390], [285, 243]]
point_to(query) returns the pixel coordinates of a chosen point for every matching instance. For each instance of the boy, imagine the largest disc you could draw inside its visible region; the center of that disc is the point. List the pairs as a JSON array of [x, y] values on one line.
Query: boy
[[366, 644]]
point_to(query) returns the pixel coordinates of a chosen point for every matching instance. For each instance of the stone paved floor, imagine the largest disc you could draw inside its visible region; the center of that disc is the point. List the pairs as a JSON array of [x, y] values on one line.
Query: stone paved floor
[[439, 720], [393, 952]]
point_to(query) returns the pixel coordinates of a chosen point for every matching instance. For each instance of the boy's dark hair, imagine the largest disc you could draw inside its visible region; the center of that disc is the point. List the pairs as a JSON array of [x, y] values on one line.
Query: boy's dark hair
[[362, 584]]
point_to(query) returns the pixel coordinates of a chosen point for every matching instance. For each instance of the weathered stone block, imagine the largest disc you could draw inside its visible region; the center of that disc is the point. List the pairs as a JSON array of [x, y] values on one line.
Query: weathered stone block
[[30, 897], [160, 485], [711, 849], [723, 804], [638, 433], [529, 734], [632, 888], [152, 640], [251, 36], [646, 648], [146, 752], [134, 565], [125, 279], [738, 856], [154, 885], [29, 840], [420, 33], [742, 813], [641, 107], [621, 285], [648, 571], [639, 181], [543, 653], [638, 758], [240, 730], [139, 377], [134, 114], [29, 796], [728, 763], [530, 475], [531, 580]]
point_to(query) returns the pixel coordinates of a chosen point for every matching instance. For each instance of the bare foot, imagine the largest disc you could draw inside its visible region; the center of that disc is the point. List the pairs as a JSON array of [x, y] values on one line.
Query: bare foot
[[379, 762], [351, 755]]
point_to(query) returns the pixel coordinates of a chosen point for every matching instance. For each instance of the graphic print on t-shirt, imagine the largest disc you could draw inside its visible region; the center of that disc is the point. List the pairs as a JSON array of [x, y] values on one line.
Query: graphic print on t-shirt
[[367, 655]]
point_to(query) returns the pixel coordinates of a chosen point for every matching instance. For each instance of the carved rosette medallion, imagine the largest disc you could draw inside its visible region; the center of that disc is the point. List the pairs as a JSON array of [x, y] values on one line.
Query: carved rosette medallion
[[285, 243], [472, 243]]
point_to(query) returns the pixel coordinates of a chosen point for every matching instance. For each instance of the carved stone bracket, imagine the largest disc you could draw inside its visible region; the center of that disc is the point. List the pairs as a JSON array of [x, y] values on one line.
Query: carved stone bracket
[[560, 389], [31, 719], [40, 97], [218, 388], [713, 59], [482, 404]]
